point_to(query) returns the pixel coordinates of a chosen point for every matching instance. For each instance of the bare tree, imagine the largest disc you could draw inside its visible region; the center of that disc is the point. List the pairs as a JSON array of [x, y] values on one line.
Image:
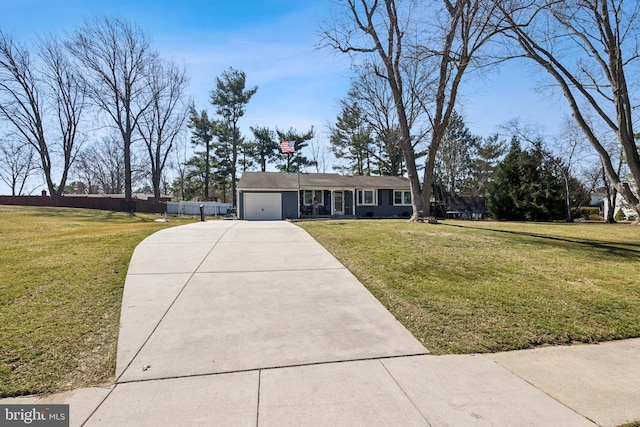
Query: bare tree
[[381, 29], [115, 57], [86, 172], [100, 165], [162, 123], [68, 96], [21, 102], [318, 155], [383, 35], [18, 165], [588, 47], [37, 95]]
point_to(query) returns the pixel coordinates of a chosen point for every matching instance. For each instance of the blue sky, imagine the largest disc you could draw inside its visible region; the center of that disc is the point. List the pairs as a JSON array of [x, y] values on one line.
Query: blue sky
[[273, 42]]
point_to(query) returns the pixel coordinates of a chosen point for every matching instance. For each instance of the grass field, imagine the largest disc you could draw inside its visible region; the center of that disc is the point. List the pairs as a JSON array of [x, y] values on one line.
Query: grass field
[[62, 273], [464, 287]]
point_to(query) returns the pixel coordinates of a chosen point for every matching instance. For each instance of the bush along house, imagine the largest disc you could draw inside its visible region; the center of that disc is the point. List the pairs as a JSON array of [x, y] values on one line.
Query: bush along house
[[279, 195]]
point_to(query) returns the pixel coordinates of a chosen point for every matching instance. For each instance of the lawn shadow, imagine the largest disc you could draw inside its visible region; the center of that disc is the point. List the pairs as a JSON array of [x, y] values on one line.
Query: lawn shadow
[[85, 214], [625, 250]]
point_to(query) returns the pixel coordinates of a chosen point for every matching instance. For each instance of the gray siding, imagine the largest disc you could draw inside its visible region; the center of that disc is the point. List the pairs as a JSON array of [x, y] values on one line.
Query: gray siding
[[385, 207], [290, 204]]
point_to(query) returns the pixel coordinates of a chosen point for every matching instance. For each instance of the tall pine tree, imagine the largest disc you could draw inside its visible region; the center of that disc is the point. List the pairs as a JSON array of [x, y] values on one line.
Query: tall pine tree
[[202, 133], [230, 99], [351, 139], [525, 186]]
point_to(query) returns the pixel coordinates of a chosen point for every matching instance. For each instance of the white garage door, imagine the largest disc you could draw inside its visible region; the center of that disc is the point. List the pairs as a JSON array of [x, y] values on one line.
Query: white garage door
[[262, 206]]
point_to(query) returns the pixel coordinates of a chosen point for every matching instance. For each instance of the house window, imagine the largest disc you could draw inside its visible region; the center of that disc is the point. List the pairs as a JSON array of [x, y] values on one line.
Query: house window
[[367, 197], [402, 198], [309, 195]]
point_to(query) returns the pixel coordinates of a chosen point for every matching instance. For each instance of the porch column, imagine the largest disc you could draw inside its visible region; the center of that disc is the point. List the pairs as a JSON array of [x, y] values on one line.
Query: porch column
[[353, 205], [333, 202]]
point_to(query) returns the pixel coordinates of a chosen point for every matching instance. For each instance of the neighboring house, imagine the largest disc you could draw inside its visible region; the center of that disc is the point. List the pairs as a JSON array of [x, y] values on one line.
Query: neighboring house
[[279, 195], [627, 211], [600, 199]]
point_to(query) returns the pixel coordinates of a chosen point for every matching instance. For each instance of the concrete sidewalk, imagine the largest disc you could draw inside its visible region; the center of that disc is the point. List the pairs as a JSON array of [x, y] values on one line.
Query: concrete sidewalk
[[255, 323]]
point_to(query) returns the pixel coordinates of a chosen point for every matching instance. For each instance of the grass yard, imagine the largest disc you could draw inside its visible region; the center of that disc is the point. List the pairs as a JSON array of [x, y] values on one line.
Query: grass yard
[[62, 272], [460, 287], [465, 287]]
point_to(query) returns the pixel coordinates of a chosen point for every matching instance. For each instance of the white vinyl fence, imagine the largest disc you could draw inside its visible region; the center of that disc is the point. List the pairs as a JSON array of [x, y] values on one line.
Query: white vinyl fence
[[193, 208]]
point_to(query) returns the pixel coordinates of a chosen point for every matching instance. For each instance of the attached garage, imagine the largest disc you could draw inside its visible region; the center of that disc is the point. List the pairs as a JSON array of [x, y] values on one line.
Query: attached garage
[[262, 206], [268, 196]]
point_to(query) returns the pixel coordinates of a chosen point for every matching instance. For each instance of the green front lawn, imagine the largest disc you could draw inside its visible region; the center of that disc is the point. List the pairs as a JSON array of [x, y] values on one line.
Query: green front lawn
[[62, 272], [465, 287]]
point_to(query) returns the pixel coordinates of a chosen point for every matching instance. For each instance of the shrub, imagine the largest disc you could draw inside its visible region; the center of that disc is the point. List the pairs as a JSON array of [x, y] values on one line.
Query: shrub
[[586, 212]]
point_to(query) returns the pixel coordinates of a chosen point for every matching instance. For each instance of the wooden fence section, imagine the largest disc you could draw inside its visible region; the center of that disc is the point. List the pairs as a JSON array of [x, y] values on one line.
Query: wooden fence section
[[101, 203]]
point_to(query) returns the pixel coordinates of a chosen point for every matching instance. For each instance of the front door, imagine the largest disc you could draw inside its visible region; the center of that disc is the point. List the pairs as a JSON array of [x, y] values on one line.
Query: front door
[[338, 203]]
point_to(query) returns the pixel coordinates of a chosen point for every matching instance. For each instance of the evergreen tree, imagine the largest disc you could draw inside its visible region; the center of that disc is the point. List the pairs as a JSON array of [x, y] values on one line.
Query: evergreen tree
[[375, 112], [483, 164], [190, 184], [504, 188], [196, 178], [223, 163], [389, 158], [231, 98], [295, 162], [351, 139], [525, 186], [264, 148], [202, 133], [453, 164]]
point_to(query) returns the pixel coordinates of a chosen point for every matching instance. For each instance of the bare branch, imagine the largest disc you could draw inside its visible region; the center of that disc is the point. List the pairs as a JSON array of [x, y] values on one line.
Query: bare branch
[[594, 27]]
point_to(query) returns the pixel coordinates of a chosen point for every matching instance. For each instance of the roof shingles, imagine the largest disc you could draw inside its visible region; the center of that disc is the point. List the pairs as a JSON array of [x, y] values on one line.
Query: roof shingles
[[293, 181]]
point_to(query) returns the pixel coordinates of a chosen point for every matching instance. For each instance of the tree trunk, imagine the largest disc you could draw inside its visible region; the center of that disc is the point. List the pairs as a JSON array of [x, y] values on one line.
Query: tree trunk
[[567, 198], [126, 137]]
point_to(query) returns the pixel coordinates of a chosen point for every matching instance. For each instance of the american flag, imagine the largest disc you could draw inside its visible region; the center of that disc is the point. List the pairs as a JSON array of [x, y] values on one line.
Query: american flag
[[287, 147]]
